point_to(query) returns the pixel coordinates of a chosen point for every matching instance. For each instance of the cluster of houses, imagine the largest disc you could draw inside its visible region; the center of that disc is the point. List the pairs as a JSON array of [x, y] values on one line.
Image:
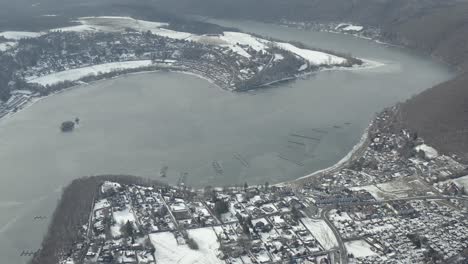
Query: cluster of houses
[[59, 51], [367, 32], [291, 223], [409, 232], [269, 224], [388, 156], [18, 99], [251, 225]]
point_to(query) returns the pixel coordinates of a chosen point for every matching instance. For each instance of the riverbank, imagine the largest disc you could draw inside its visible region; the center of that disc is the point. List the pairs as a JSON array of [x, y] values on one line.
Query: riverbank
[[356, 152], [98, 73]]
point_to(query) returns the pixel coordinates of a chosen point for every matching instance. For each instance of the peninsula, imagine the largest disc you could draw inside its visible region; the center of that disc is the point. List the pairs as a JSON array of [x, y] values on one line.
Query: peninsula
[[40, 63]]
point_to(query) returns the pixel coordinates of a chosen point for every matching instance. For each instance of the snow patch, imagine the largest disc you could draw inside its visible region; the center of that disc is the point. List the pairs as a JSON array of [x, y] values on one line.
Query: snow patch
[[76, 74], [4, 46], [122, 217], [314, 57], [429, 151], [168, 251], [238, 38], [359, 248], [17, 35], [349, 27], [107, 185], [322, 232]]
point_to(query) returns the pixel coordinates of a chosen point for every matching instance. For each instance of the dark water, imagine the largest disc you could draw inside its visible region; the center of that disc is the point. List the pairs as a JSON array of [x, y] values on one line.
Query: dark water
[[139, 123]]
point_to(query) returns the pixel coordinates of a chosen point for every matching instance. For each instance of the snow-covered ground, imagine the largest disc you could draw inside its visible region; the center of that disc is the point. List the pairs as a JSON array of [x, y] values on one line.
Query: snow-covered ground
[[233, 40], [76, 74], [110, 24], [121, 217], [100, 204], [321, 231], [359, 248], [17, 35], [4, 46], [429, 151], [349, 27], [462, 181], [314, 57], [389, 190], [168, 251], [238, 42], [107, 185]]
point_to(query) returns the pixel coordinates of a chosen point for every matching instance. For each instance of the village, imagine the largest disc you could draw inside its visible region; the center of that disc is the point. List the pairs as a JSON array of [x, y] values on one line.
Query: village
[[274, 224], [42, 63], [134, 224], [394, 199], [268, 224], [61, 59], [398, 201]]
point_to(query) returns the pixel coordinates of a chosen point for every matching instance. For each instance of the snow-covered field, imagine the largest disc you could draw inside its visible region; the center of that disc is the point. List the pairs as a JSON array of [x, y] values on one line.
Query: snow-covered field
[[321, 231], [107, 185], [17, 35], [462, 181], [349, 27], [390, 190], [121, 217], [168, 251], [110, 24], [7, 45], [76, 74], [233, 40], [429, 151], [314, 57], [359, 248], [236, 41]]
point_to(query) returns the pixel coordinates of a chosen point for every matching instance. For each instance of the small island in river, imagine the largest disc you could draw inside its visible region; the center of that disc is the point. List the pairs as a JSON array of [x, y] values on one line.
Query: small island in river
[[67, 126]]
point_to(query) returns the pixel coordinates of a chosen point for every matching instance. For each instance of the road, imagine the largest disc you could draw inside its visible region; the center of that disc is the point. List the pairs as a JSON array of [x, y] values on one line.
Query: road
[[341, 245]]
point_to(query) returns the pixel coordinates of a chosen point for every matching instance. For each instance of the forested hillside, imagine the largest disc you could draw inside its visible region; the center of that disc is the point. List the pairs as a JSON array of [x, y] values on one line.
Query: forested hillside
[[72, 213]]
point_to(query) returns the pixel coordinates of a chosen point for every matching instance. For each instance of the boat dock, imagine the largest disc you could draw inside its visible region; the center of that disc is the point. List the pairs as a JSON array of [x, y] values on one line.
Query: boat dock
[[320, 131], [298, 163], [303, 136], [297, 143], [241, 159], [217, 167]]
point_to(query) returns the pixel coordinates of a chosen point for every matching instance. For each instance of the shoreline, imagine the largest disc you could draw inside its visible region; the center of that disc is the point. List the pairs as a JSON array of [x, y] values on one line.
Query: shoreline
[[34, 99], [368, 64], [354, 153], [377, 39]]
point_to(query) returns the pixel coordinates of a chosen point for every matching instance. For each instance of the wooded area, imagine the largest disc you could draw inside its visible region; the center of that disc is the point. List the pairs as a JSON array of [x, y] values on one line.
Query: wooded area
[[72, 213]]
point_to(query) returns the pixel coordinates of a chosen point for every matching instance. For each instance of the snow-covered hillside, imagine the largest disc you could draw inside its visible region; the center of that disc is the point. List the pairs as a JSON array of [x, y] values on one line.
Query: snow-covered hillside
[[236, 41], [17, 35]]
